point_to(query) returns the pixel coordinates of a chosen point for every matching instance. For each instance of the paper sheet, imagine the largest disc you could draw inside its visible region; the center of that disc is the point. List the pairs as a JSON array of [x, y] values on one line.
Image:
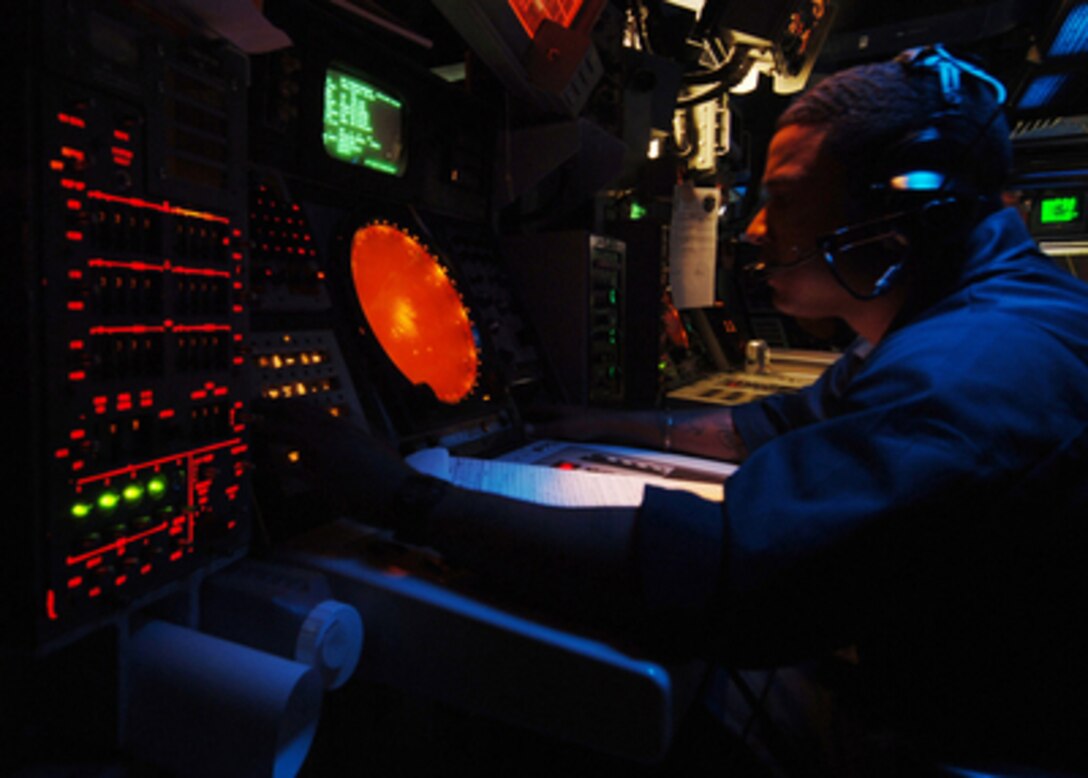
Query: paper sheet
[[548, 485], [693, 245]]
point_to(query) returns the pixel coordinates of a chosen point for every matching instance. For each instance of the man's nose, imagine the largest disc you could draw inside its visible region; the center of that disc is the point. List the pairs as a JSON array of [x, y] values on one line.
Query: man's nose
[[756, 234]]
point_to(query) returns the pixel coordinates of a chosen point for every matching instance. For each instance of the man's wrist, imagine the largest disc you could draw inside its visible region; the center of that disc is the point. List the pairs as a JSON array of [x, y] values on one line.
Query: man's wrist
[[666, 424]]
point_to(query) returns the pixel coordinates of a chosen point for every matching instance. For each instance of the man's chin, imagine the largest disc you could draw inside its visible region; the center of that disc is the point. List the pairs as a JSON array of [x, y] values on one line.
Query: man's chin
[[790, 305], [784, 305]]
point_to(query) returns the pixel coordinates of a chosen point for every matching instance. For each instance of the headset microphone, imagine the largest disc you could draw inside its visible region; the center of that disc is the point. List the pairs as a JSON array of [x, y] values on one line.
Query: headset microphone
[[762, 271], [885, 281]]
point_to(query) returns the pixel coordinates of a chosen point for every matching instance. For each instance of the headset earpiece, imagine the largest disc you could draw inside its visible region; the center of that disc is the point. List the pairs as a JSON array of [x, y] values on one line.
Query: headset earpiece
[[923, 188], [939, 159]]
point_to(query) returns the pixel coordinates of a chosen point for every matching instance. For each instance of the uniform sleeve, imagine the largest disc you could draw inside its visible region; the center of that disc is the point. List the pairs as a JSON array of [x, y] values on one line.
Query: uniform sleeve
[[761, 421], [881, 508], [830, 527]]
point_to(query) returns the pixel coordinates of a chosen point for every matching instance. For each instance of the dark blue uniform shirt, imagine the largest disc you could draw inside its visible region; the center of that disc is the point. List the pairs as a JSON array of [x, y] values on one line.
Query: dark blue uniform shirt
[[925, 502]]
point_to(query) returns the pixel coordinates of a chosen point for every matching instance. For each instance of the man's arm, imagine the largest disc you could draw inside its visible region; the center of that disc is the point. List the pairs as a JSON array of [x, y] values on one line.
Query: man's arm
[[570, 561], [607, 566], [579, 562], [653, 571], [706, 432]]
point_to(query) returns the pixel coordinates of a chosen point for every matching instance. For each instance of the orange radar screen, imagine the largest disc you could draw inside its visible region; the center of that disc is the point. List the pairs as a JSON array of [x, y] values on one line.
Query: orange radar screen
[[414, 311]]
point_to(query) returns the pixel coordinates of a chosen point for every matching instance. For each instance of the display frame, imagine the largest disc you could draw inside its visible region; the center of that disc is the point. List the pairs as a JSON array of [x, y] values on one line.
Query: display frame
[[413, 413], [1075, 225], [350, 71], [449, 135], [414, 310]]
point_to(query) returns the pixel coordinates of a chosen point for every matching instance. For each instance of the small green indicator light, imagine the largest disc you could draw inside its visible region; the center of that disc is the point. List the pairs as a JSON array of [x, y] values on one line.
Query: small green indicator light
[[133, 493], [81, 510], [156, 487], [1059, 210], [662, 366], [107, 501], [612, 296], [384, 167], [638, 211]]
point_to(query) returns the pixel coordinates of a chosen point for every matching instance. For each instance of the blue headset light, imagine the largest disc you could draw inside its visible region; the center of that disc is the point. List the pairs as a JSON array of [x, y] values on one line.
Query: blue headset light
[[918, 181], [1072, 38], [1042, 90]]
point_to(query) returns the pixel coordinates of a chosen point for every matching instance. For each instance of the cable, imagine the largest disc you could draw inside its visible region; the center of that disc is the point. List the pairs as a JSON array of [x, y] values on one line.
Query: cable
[[759, 708], [718, 72], [754, 702], [733, 74], [638, 16]]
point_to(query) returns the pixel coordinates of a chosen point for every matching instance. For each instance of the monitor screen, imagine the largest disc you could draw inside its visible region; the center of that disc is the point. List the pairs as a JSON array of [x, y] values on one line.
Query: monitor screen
[[363, 125], [1059, 210]]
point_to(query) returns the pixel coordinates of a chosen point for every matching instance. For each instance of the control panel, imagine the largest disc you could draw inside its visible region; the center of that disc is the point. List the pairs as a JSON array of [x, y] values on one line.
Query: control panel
[[304, 364], [606, 284], [287, 276], [572, 285], [136, 277]]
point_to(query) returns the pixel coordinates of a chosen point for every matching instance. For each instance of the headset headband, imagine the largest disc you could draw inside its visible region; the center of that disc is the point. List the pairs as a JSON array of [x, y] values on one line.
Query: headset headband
[[949, 69]]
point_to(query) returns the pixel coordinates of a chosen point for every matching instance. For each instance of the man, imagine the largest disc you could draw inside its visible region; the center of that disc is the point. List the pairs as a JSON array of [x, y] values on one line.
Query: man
[[922, 502]]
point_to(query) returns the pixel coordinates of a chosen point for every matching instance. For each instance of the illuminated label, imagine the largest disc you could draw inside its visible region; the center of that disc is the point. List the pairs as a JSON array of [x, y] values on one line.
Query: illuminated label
[[363, 125], [1042, 90], [1072, 38], [1059, 210]]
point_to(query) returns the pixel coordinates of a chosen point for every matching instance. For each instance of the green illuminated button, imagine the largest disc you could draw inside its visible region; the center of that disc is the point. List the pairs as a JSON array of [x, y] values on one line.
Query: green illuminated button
[[156, 487], [107, 501], [81, 510], [133, 493]]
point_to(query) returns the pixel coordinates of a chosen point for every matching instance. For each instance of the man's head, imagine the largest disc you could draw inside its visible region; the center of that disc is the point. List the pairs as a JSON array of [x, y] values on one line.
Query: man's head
[[831, 164], [884, 118]]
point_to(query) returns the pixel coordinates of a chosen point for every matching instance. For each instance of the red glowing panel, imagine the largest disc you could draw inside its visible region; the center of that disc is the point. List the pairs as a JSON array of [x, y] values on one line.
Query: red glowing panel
[[532, 12], [414, 311]]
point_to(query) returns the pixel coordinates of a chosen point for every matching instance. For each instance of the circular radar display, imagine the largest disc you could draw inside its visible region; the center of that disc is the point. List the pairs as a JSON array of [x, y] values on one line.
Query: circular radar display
[[414, 311]]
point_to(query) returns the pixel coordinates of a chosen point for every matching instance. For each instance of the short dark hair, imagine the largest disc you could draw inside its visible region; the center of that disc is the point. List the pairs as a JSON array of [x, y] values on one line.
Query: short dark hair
[[868, 109]]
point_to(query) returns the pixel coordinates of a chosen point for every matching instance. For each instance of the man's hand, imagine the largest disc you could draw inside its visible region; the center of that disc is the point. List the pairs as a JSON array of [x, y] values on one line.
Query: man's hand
[[334, 455]]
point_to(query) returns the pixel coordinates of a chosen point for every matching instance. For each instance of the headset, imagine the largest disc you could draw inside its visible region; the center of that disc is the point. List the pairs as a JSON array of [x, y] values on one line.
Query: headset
[[921, 180]]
